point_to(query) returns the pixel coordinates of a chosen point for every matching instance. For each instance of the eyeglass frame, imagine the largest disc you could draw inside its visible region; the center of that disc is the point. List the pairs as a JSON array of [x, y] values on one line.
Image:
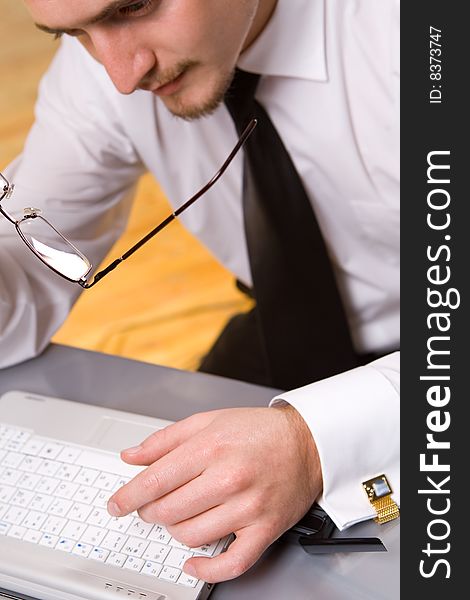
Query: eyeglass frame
[[33, 213]]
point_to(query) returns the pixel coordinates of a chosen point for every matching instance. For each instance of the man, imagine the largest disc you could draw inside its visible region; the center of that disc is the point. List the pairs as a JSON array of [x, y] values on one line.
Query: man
[[106, 112]]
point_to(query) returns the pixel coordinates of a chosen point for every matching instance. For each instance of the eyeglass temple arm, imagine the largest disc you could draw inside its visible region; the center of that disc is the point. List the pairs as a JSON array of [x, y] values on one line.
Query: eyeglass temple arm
[[244, 136]]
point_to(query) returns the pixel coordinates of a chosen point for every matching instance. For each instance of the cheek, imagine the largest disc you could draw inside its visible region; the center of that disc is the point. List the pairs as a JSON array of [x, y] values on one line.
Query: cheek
[[208, 30]]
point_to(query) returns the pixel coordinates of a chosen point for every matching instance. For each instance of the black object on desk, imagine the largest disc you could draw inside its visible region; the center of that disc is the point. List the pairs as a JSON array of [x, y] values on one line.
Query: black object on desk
[[314, 530], [13, 596]]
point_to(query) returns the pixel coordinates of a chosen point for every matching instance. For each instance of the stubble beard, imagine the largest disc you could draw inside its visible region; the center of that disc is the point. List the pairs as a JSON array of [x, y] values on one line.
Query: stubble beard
[[192, 111]]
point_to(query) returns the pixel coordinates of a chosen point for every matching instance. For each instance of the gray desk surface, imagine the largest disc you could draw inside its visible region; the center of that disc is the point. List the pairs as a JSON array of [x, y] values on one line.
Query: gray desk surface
[[284, 571]]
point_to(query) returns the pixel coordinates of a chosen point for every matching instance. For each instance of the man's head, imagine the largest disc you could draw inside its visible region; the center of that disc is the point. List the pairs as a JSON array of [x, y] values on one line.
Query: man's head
[[184, 51]]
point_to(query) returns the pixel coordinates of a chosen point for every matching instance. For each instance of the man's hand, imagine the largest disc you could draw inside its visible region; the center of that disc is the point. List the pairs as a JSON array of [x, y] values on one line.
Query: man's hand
[[250, 471]]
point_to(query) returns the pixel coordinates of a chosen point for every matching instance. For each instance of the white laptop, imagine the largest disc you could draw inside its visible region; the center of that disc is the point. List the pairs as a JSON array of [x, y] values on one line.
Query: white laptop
[[59, 464]]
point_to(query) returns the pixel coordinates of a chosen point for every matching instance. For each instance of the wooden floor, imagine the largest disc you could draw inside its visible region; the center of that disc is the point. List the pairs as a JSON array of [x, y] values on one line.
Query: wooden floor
[[165, 305]]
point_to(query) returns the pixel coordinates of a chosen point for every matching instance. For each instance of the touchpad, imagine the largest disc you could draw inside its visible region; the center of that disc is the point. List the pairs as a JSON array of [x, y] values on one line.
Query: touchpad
[[117, 434]]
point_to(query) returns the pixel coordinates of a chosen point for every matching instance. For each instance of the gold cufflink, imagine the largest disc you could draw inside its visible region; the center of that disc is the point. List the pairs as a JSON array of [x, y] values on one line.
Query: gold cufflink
[[379, 493]]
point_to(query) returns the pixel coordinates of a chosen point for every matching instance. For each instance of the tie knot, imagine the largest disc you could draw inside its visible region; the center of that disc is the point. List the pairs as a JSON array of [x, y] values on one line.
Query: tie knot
[[240, 97]]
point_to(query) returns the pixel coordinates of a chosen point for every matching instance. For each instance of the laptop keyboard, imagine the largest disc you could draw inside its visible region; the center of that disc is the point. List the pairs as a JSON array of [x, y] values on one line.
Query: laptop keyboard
[[55, 495]]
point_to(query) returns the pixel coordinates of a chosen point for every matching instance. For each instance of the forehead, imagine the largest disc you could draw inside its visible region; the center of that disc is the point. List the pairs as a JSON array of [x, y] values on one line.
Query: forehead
[[67, 13]]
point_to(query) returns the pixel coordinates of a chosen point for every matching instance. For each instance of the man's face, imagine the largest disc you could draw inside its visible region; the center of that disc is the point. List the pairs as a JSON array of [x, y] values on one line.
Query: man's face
[[184, 51]]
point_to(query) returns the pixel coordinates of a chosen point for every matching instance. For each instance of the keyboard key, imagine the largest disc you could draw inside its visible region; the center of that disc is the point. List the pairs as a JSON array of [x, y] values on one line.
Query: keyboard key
[[69, 454], [169, 574], [99, 517], [17, 440], [20, 437], [73, 530], [177, 558], [6, 433], [156, 552], [94, 535], [22, 498], [47, 485], [34, 520], [30, 464], [82, 549], [6, 493], [32, 536], [99, 554], [51, 450], [114, 541], [54, 525], [79, 512], [4, 528], [187, 580], [67, 472], [48, 468], [41, 502], [140, 529], [65, 545], [86, 476], [151, 568], [67, 490], [28, 481], [11, 476], [116, 559], [119, 483], [101, 500], [12, 460], [15, 515], [48, 540], [120, 524], [60, 507], [135, 546], [17, 532], [33, 446], [134, 564], [86, 494], [106, 481], [159, 534], [206, 549]]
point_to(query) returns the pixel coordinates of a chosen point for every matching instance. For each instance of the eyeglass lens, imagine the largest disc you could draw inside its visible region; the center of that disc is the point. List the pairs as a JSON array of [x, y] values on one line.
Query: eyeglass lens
[[52, 248]]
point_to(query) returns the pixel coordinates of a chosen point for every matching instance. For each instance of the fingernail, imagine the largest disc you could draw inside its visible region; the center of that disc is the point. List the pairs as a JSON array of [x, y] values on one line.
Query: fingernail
[[189, 570], [113, 509], [134, 450]]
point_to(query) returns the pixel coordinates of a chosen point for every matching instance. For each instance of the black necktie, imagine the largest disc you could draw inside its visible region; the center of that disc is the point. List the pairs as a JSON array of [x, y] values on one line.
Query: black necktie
[[302, 320]]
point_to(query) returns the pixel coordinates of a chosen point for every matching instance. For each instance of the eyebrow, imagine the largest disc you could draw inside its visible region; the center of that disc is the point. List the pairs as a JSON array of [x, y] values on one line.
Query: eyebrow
[[104, 14]]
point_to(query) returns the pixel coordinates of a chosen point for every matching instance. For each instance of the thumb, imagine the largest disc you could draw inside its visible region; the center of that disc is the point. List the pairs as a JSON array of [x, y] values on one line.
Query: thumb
[[242, 554]]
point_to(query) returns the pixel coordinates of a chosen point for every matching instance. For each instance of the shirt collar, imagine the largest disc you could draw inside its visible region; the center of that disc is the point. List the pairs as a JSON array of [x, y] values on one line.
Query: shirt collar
[[292, 43]]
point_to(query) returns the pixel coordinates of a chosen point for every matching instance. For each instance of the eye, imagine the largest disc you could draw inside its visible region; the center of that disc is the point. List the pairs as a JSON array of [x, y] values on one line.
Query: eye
[[136, 8]]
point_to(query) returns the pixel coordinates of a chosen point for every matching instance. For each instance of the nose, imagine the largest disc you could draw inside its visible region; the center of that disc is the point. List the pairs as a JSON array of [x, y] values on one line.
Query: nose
[[125, 59]]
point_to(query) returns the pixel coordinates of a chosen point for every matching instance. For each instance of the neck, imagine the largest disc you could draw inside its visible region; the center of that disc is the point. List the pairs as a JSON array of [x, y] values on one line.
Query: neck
[[261, 19]]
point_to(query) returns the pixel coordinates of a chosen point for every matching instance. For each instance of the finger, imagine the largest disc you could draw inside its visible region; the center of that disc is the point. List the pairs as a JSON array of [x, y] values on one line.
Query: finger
[[211, 525], [195, 497], [173, 470], [163, 441], [250, 543]]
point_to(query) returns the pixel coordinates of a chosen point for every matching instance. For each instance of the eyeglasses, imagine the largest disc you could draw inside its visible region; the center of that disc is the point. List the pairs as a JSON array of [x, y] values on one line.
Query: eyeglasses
[[61, 256]]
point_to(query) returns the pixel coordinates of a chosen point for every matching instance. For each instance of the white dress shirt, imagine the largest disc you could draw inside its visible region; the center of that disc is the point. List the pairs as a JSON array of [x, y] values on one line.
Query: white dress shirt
[[331, 86]]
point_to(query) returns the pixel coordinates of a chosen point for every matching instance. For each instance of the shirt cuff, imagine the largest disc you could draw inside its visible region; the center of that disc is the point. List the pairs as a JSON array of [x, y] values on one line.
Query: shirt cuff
[[354, 419]]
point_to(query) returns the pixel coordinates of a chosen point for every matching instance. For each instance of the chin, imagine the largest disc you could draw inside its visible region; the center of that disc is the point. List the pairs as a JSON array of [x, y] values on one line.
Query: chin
[[191, 111], [184, 105]]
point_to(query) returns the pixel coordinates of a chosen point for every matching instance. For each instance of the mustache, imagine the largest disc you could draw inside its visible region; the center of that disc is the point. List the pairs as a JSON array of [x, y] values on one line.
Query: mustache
[[157, 78]]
